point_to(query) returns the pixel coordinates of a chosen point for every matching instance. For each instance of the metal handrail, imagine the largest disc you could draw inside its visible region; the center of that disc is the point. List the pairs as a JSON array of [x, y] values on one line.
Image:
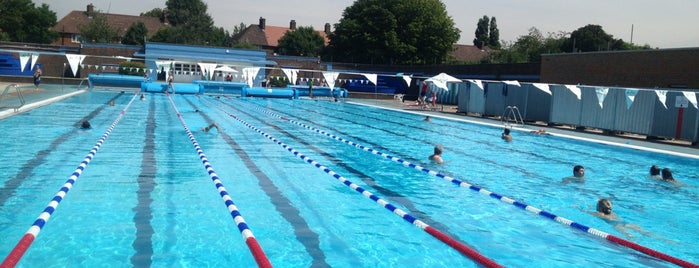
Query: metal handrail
[[510, 114], [20, 96]]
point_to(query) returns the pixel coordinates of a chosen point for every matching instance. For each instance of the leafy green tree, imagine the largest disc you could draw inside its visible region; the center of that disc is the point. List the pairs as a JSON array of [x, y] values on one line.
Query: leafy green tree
[[304, 41], [190, 25], [393, 32], [135, 34], [482, 37], [155, 13], [22, 21], [98, 30], [591, 38], [493, 34]]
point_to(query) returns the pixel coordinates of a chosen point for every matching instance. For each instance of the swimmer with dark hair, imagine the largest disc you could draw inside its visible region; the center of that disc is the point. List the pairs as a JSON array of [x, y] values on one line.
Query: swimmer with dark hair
[[85, 125], [604, 211], [506, 135], [578, 175], [655, 172]]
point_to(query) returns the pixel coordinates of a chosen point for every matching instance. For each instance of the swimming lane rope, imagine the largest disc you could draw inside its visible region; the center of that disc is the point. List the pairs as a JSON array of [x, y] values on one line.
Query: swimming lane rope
[[245, 231], [18, 251], [505, 199], [451, 242]]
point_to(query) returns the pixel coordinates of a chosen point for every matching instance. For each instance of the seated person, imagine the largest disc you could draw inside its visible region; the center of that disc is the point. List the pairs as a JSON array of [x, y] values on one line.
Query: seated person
[[437, 156], [578, 175], [506, 135]]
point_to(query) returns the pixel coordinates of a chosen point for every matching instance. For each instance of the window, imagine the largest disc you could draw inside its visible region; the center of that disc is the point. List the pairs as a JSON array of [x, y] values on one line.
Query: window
[[75, 38]]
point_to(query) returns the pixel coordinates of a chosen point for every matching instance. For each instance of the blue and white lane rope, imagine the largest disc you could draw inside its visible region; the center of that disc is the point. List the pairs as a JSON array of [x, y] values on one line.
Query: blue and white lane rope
[[250, 240], [505, 199], [453, 243], [18, 251]]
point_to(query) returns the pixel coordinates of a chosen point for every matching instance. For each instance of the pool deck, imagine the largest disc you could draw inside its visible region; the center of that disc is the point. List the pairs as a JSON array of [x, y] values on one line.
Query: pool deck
[[37, 98]]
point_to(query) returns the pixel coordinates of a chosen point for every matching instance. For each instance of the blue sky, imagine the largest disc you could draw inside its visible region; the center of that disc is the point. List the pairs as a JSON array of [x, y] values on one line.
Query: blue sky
[[663, 24]]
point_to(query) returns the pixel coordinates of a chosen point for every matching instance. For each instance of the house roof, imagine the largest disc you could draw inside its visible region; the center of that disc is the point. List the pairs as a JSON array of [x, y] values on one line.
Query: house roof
[[269, 36], [469, 53], [72, 22]]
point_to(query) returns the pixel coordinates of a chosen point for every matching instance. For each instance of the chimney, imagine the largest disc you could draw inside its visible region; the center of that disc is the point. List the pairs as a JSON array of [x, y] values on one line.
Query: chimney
[[292, 25], [262, 23], [163, 17], [327, 28], [90, 9]]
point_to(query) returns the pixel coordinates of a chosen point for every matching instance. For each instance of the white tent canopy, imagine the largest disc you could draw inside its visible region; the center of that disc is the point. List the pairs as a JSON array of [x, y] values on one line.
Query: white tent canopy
[[442, 79], [225, 69]]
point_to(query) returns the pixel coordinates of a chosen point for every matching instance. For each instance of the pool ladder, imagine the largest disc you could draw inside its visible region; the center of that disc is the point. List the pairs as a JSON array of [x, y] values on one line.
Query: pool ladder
[[511, 117], [19, 96]]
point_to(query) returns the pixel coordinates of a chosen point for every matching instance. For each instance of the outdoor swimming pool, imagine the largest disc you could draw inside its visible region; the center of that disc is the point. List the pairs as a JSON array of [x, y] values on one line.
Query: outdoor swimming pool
[[146, 199]]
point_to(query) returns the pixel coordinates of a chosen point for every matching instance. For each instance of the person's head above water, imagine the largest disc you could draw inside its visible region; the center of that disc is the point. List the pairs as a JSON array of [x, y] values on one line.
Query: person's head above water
[[85, 124], [604, 206], [579, 171], [654, 170]]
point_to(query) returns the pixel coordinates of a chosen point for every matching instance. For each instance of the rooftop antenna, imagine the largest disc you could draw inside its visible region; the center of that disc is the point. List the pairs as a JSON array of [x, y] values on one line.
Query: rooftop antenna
[[632, 34]]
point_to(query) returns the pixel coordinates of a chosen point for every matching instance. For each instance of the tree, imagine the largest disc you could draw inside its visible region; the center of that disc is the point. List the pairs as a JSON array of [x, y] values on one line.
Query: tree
[[493, 35], [155, 13], [304, 41], [21, 21], [482, 37], [190, 25], [591, 38], [135, 34], [393, 32], [98, 30]]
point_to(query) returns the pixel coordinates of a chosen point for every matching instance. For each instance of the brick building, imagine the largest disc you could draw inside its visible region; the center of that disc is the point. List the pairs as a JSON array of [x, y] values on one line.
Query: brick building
[[69, 26]]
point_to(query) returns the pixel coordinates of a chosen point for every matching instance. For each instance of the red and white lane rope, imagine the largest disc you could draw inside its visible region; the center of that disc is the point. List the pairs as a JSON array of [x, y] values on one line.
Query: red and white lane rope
[[18, 251], [559, 219], [451, 242]]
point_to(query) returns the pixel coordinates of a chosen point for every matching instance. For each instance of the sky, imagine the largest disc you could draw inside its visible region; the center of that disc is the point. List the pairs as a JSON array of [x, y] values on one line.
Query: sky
[[660, 24]]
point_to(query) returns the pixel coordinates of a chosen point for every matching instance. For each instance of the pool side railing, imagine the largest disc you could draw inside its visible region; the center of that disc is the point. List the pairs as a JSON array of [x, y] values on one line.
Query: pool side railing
[[505, 199], [250, 240], [449, 241], [26, 241]]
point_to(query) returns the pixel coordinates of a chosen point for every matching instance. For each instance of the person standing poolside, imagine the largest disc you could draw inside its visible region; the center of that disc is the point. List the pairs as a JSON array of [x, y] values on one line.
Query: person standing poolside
[[578, 175], [437, 156], [37, 77]]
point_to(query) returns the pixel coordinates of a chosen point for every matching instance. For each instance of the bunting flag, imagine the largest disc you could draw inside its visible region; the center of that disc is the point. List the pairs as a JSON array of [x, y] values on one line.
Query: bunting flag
[[512, 83], [23, 59], [601, 95], [630, 96], [291, 74], [35, 57], [478, 83], [371, 77], [692, 97], [208, 68], [249, 73], [74, 60], [575, 90], [407, 79], [662, 96], [543, 87]]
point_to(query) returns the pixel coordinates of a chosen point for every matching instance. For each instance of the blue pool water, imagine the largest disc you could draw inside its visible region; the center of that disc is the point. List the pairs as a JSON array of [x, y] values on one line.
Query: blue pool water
[[146, 198]]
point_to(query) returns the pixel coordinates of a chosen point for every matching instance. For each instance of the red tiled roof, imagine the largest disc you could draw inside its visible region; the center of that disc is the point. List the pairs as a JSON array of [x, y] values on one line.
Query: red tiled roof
[[269, 36], [468, 53], [72, 22]]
